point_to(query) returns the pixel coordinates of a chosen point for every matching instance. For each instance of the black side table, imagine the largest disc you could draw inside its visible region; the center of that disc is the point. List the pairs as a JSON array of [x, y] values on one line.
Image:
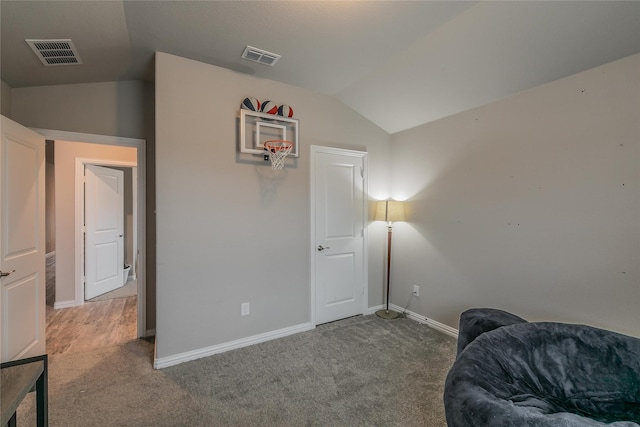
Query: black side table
[[19, 377]]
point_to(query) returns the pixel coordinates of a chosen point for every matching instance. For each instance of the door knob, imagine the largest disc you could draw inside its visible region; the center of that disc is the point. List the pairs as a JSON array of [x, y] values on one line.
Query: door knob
[[3, 274], [322, 248]]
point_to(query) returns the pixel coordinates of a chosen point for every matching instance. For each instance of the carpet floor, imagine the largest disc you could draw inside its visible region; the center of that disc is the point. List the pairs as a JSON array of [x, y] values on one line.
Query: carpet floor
[[361, 371]]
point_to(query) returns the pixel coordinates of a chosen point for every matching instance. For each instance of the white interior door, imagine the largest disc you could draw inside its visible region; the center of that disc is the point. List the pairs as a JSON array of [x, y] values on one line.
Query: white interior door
[[338, 186], [104, 230], [22, 242]]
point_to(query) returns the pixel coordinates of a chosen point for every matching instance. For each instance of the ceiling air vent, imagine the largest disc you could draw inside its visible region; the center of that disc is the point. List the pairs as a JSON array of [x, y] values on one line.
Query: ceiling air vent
[[260, 56], [55, 52]]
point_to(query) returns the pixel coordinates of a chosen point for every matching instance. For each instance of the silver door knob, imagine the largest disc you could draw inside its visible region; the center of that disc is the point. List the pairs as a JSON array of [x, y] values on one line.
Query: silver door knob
[[3, 274], [322, 248]]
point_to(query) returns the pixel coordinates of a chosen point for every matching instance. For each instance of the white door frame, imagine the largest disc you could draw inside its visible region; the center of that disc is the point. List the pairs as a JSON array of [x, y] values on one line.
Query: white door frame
[[139, 206], [314, 149]]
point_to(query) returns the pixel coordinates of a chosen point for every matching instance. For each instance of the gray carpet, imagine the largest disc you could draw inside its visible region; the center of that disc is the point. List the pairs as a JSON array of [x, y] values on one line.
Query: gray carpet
[[361, 371]]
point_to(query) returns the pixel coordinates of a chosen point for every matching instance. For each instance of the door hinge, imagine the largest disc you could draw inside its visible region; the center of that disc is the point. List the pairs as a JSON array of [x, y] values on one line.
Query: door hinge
[[362, 172]]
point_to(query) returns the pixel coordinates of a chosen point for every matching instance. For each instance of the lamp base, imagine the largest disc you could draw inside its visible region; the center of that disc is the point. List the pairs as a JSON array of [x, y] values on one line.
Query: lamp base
[[387, 314]]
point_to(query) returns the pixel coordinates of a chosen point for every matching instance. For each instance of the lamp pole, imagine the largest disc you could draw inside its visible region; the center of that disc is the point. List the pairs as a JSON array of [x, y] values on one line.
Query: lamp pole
[[389, 233], [389, 211]]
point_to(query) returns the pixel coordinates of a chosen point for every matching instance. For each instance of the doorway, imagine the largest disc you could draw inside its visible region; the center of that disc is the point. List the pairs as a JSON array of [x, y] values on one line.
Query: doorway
[[73, 293], [339, 285]]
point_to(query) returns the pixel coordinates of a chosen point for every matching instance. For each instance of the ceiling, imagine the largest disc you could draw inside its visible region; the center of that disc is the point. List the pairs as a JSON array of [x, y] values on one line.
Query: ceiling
[[399, 64]]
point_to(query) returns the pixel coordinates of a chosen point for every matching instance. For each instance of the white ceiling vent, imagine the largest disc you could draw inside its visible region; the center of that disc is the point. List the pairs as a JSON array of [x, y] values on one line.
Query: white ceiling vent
[[55, 51], [260, 56]]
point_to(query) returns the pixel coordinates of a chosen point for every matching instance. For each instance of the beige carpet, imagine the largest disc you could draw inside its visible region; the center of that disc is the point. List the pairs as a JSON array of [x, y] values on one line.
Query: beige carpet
[[360, 371]]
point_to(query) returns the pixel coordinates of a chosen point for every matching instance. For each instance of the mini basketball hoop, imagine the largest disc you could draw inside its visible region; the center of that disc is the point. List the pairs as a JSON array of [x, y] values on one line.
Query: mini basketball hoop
[[277, 150]]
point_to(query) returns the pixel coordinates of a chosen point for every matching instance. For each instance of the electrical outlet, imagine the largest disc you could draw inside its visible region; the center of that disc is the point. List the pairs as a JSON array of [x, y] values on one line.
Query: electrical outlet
[[416, 290], [244, 309]]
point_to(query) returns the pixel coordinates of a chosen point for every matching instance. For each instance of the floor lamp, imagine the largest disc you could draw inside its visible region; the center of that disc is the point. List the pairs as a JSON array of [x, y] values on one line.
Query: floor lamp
[[389, 210]]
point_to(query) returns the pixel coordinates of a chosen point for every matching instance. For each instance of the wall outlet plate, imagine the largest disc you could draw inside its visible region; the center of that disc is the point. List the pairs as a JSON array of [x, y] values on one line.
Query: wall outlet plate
[[244, 309], [416, 290]]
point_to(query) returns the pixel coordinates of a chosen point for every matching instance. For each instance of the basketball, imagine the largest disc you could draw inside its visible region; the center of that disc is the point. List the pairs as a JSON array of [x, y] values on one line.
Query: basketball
[[285, 111], [269, 107], [251, 104]]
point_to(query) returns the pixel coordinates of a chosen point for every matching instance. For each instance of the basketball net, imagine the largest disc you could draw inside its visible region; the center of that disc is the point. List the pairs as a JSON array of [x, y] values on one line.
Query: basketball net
[[277, 150]]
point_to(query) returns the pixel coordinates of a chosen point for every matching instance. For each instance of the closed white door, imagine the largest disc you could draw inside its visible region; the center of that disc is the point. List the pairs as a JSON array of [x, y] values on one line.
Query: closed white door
[[22, 242], [104, 230], [338, 264]]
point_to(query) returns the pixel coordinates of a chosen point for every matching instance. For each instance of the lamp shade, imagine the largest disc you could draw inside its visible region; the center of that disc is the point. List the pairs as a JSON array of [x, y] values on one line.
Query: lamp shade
[[390, 210]]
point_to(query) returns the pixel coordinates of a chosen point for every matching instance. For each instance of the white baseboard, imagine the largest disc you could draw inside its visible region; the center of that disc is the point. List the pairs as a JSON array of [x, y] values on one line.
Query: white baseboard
[[372, 310], [445, 329], [429, 322], [165, 362], [64, 304]]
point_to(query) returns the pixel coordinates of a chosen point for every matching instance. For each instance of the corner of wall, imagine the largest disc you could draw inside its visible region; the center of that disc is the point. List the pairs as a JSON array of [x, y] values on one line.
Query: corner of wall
[[5, 99]]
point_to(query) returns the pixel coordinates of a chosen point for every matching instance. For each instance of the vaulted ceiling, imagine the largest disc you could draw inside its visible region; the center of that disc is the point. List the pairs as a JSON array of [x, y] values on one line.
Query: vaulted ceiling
[[399, 64]]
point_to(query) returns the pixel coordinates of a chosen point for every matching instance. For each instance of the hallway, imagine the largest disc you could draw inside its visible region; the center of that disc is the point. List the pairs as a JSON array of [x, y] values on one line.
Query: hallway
[[91, 325], [87, 326]]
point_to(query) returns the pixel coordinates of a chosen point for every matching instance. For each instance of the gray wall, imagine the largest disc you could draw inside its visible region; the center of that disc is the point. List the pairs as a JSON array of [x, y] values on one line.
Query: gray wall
[[530, 204], [109, 108], [5, 99], [50, 197], [214, 250]]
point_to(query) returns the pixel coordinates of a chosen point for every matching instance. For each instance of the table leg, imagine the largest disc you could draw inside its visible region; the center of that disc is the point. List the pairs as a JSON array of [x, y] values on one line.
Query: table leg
[[42, 400]]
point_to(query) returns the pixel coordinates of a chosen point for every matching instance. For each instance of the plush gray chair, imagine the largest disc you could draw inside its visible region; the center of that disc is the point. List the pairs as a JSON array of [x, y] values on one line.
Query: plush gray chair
[[542, 375], [477, 321]]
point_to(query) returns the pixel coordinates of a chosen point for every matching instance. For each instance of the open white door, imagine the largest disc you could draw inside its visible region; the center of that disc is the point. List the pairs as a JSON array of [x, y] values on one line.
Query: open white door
[[338, 266], [104, 230], [22, 242]]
